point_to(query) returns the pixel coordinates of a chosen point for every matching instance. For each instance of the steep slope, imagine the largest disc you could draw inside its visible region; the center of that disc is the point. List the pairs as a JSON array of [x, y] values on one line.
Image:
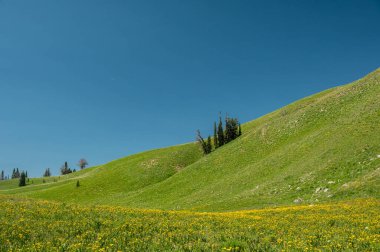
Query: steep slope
[[324, 147]]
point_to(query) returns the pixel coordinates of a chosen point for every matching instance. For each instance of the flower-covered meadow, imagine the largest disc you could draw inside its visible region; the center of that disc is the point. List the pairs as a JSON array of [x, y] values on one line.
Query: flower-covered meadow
[[34, 225]]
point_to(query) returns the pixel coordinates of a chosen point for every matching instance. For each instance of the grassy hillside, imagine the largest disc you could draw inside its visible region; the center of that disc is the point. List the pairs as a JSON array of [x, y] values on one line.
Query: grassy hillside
[[321, 148], [113, 181]]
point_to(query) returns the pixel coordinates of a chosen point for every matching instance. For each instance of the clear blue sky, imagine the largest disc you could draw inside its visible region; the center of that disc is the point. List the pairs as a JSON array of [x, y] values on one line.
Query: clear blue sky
[[102, 79]]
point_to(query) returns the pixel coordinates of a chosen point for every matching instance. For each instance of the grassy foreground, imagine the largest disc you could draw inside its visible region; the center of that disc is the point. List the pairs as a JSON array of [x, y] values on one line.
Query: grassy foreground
[[36, 225]]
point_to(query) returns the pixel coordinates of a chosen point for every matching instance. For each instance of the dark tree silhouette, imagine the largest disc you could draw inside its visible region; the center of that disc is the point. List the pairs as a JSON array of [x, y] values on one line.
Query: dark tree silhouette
[[209, 144], [222, 135], [22, 181], [202, 142], [47, 173], [220, 132], [231, 131], [65, 169], [215, 136]]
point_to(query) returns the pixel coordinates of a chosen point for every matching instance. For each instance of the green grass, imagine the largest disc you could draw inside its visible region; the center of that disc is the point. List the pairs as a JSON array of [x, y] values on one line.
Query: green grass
[[116, 179], [324, 147]]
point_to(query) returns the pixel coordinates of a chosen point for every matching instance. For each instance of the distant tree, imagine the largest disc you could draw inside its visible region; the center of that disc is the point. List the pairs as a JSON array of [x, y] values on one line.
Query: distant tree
[[26, 174], [47, 172], [22, 181], [74, 170], [82, 163], [209, 145], [221, 135], [65, 169], [220, 132], [2, 176], [15, 173], [202, 142], [215, 136], [231, 131], [78, 184]]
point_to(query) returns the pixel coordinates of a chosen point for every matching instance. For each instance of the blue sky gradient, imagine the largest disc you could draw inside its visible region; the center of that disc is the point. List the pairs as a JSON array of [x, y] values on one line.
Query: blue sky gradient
[[102, 79]]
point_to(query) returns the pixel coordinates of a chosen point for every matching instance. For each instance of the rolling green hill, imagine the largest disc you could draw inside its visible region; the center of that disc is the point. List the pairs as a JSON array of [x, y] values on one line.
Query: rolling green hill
[[325, 147]]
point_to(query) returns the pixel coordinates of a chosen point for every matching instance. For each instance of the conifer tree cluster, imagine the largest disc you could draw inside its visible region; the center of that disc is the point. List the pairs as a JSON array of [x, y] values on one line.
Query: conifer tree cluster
[[47, 173], [16, 173], [65, 169], [222, 134]]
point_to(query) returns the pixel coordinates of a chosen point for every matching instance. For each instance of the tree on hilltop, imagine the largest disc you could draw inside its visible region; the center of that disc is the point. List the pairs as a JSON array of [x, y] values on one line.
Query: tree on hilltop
[[65, 169], [232, 130], [47, 173], [216, 144], [209, 144], [222, 135], [82, 163], [220, 132], [205, 145], [15, 173]]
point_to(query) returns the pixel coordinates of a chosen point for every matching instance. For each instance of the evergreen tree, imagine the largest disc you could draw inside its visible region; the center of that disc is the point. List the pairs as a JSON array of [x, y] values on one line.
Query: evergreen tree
[[215, 136], [78, 184], [227, 130], [222, 135], [65, 169], [26, 174], [47, 173], [202, 142], [231, 131], [209, 145], [220, 132], [2, 175], [15, 173], [22, 181]]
